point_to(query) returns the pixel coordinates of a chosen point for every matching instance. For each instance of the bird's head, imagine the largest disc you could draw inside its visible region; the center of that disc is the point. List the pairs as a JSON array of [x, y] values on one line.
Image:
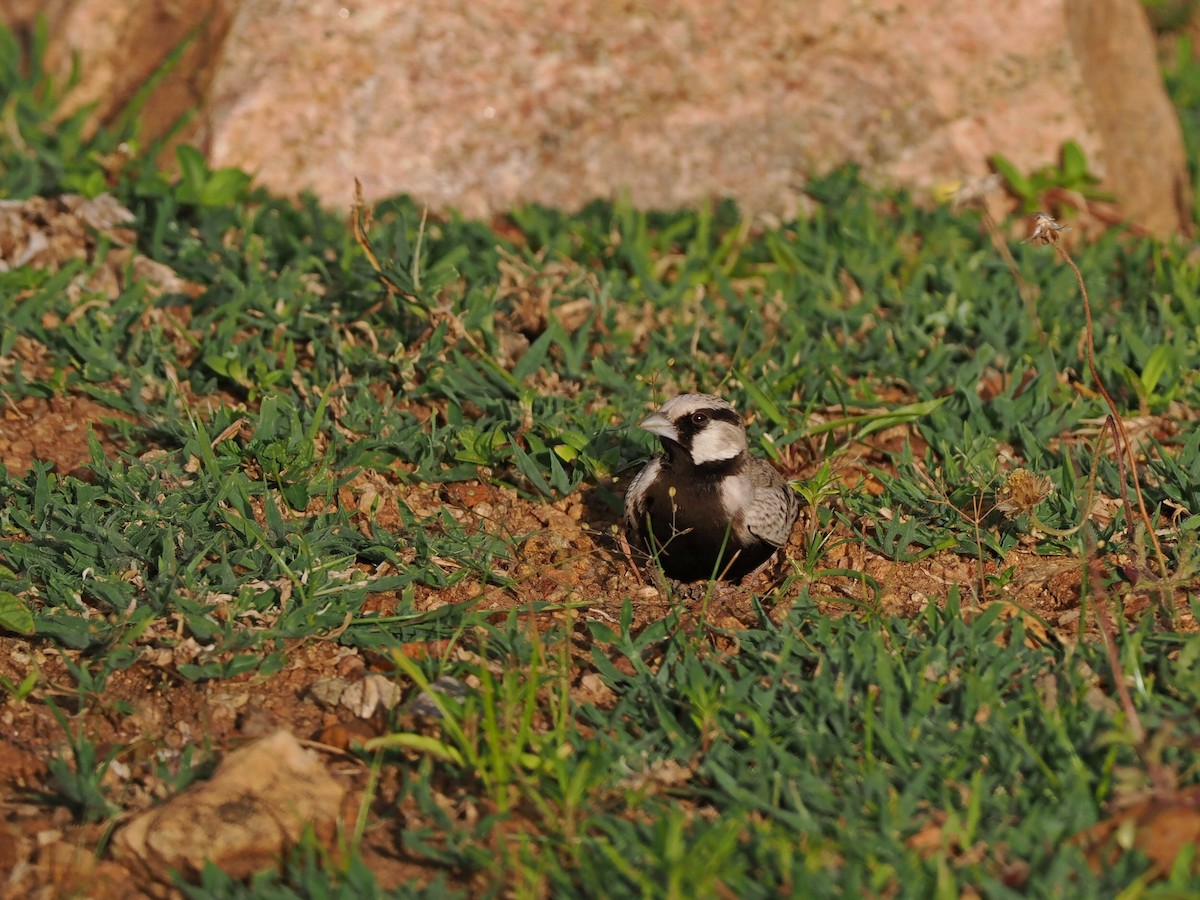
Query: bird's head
[[705, 427]]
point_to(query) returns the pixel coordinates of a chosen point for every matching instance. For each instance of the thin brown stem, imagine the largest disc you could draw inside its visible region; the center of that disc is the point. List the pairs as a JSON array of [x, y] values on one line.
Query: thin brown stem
[[1110, 644], [1125, 446]]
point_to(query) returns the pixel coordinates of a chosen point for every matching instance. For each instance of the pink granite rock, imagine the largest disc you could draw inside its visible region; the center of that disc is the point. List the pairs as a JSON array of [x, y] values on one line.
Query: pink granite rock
[[483, 105]]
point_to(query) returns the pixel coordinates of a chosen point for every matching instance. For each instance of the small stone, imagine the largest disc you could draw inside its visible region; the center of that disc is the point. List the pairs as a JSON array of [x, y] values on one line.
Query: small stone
[[445, 686]]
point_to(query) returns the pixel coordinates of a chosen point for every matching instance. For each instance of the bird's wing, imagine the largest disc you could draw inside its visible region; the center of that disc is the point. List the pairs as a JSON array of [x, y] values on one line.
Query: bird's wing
[[635, 512], [773, 506]]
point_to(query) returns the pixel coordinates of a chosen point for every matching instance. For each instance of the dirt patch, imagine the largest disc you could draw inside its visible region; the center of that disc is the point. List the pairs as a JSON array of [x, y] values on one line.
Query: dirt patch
[[50, 233], [54, 431]]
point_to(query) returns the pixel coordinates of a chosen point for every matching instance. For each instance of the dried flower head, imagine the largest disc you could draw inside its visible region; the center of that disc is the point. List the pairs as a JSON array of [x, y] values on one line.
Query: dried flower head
[[1021, 492], [1046, 229]]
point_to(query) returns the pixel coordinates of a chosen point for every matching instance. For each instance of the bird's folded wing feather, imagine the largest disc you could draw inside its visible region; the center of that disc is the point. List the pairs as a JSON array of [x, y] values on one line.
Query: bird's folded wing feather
[[637, 489], [773, 505]]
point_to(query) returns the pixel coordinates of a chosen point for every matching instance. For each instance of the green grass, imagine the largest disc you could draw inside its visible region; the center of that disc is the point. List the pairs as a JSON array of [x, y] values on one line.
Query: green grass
[[805, 760]]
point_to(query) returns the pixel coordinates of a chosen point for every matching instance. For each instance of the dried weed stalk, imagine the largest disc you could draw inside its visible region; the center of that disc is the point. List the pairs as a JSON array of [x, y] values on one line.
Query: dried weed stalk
[[1048, 231]]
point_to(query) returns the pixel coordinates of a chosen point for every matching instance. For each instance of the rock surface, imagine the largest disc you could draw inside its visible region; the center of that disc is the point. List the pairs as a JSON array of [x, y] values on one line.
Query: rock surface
[[256, 806], [483, 105]]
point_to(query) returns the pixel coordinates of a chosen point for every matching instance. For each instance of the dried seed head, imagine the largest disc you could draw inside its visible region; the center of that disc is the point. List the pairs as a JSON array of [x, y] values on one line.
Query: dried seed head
[[1046, 229], [1021, 492]]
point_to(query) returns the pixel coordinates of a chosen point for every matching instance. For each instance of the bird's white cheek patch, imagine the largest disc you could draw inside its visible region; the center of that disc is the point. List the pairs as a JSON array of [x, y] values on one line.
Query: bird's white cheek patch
[[716, 442]]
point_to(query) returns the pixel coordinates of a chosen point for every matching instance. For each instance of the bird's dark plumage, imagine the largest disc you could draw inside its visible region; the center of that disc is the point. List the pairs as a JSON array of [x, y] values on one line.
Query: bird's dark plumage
[[706, 507]]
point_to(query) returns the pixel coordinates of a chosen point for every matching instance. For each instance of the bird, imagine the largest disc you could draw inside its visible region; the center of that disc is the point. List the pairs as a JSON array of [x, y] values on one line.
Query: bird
[[706, 507]]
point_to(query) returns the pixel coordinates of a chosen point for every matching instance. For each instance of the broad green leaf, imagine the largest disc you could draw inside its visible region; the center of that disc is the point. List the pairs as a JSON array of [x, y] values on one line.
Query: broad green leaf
[[14, 614], [420, 742], [1161, 359]]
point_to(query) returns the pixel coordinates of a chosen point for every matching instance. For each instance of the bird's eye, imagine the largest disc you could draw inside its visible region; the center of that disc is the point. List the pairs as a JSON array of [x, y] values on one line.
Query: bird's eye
[[699, 418]]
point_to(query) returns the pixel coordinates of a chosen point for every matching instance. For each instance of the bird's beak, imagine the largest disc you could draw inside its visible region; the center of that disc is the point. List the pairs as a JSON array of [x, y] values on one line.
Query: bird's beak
[[660, 425]]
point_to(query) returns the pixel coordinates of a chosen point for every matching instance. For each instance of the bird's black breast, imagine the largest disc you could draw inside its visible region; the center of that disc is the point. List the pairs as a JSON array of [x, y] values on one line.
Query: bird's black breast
[[689, 526]]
